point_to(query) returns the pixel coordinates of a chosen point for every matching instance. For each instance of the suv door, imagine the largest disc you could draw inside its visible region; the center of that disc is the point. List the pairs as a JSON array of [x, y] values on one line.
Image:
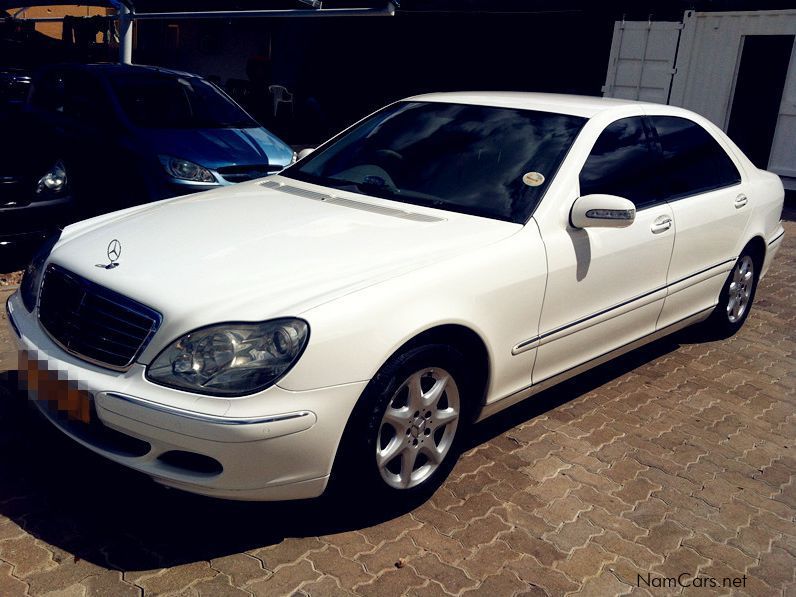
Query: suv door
[[606, 286], [703, 185]]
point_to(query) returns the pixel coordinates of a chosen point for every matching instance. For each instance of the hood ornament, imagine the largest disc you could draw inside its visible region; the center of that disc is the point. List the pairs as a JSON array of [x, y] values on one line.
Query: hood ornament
[[114, 252]]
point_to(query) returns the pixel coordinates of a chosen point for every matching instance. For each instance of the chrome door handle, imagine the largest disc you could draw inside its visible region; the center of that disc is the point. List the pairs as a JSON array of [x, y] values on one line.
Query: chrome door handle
[[740, 201], [661, 224]]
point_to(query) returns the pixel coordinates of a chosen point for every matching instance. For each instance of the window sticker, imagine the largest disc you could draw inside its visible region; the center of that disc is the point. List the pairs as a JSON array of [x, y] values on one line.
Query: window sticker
[[533, 179]]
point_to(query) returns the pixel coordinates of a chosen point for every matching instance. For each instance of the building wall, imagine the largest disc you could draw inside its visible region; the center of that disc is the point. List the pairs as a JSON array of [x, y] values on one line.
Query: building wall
[[55, 29]]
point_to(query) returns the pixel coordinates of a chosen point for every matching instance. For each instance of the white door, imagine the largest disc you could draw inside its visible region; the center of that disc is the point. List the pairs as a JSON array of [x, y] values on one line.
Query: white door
[[705, 190], [606, 286], [641, 64]]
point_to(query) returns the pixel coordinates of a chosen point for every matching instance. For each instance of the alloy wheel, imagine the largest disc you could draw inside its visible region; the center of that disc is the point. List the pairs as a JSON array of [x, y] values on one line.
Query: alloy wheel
[[740, 288], [418, 428]]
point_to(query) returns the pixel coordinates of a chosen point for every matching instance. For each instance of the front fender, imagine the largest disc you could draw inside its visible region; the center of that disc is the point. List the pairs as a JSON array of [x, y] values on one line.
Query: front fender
[[496, 292]]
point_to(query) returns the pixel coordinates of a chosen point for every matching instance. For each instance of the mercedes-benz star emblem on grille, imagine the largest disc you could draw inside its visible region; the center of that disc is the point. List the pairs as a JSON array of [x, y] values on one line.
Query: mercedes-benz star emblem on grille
[[114, 252]]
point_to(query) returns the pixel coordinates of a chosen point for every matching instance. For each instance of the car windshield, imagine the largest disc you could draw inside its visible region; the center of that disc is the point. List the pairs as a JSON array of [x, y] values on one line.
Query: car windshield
[[160, 101], [486, 161]]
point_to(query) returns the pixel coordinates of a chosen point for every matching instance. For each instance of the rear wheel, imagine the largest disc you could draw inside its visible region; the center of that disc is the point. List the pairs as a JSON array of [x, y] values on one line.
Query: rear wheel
[[737, 296], [404, 436]]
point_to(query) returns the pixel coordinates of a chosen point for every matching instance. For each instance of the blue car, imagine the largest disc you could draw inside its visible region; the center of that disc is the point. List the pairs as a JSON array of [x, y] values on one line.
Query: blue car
[[121, 134]]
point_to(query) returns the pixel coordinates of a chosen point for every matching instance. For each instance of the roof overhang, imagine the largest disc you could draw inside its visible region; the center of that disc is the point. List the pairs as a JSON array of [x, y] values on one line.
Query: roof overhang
[[146, 9]]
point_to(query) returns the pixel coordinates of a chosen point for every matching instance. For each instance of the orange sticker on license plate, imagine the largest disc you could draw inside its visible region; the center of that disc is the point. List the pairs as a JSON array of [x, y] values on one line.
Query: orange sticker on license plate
[[44, 385]]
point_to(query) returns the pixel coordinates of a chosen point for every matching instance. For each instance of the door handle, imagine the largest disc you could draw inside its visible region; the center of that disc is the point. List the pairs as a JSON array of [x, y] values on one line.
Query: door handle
[[740, 201], [661, 224]]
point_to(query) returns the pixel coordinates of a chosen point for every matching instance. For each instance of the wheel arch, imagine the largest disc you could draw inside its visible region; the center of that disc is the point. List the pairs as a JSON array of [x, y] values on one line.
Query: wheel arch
[[469, 343], [458, 336], [757, 246]]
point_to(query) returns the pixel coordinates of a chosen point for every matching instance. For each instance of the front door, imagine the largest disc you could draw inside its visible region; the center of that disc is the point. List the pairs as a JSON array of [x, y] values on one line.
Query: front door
[[606, 286]]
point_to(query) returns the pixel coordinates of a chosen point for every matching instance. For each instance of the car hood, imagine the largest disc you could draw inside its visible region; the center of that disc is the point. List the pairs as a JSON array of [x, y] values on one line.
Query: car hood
[[215, 148], [247, 253]]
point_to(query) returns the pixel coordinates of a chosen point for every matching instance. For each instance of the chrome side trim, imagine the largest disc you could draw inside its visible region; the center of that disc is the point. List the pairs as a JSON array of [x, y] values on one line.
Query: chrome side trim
[[776, 238], [536, 341], [206, 418], [525, 345], [500, 404]]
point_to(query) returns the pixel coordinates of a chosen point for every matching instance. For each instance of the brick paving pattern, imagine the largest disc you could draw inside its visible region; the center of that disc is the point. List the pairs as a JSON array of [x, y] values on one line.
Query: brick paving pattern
[[675, 459]]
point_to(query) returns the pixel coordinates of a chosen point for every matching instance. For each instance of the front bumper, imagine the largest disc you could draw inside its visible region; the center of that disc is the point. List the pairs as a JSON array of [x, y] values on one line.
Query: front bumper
[[274, 445]]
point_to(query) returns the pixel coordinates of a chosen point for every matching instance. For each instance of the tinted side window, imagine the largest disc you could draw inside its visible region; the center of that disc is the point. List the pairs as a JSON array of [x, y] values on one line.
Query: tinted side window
[[622, 162], [693, 161]]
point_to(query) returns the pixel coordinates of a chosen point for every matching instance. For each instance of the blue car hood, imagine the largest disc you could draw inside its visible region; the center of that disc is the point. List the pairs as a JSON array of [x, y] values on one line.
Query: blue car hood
[[214, 148]]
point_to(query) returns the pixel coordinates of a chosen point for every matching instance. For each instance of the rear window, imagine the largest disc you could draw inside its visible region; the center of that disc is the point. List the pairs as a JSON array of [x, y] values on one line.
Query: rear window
[[693, 161], [158, 101]]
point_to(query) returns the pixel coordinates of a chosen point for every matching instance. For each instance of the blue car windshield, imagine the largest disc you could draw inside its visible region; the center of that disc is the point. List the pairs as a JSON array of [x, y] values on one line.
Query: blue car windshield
[[160, 101], [481, 160]]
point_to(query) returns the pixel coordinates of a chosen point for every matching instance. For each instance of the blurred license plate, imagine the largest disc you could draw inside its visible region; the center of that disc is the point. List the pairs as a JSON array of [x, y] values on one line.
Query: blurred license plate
[[61, 395]]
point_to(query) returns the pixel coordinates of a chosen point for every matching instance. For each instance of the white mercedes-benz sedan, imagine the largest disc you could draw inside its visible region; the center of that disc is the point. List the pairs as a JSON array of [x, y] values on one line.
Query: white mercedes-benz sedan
[[351, 317]]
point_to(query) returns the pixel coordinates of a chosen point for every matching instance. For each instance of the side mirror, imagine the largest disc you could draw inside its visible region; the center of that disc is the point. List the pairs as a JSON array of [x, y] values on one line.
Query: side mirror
[[304, 153], [602, 211]]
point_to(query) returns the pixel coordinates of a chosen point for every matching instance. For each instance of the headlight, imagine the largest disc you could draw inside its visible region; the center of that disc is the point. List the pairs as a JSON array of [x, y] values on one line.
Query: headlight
[[231, 359], [185, 170], [31, 279], [54, 181]]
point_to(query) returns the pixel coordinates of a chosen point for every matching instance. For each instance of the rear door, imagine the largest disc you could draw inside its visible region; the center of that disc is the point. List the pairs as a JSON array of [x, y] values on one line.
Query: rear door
[[704, 188]]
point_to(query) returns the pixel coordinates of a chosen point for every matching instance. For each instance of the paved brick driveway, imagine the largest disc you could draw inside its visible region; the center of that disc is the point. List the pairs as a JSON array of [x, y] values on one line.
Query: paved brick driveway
[[677, 459]]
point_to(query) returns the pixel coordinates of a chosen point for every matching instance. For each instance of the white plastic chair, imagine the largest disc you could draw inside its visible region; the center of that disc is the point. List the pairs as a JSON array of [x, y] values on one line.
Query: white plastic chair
[[280, 95]]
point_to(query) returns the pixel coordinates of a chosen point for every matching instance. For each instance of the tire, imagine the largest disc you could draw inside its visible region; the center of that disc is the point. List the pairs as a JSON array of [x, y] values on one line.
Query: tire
[[737, 297], [394, 446]]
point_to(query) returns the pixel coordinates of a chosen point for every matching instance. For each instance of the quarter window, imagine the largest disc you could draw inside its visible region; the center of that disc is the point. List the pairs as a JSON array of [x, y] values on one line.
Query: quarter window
[[622, 162], [693, 161]]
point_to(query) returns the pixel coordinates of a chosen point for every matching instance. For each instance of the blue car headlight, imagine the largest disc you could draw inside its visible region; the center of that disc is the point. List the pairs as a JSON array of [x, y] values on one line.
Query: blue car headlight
[[31, 279]]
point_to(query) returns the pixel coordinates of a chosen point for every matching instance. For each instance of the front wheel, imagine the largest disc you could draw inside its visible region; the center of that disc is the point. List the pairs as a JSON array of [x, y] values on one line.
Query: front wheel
[[737, 296], [404, 436]]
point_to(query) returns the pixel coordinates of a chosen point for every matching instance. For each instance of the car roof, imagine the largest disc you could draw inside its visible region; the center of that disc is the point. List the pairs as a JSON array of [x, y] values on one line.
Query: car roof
[[575, 105], [113, 68]]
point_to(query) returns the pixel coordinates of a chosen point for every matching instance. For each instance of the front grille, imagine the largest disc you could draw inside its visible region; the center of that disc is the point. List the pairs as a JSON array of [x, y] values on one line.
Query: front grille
[[92, 322], [244, 173]]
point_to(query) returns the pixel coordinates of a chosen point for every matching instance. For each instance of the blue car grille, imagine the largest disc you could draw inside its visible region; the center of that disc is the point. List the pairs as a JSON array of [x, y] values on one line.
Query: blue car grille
[[92, 322], [245, 173]]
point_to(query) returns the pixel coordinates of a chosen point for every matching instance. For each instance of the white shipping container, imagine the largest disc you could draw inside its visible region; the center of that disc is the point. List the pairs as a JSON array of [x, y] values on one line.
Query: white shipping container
[[713, 63]]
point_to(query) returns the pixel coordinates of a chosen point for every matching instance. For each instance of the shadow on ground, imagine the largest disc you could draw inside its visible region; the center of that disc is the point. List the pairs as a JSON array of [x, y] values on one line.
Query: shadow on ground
[[106, 514]]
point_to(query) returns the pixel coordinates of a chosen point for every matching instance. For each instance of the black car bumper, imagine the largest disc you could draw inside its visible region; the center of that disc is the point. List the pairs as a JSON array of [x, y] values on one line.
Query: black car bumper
[[24, 226]]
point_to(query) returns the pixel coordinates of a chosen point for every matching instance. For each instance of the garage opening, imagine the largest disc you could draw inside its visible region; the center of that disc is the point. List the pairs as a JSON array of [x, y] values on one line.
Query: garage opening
[[758, 94]]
